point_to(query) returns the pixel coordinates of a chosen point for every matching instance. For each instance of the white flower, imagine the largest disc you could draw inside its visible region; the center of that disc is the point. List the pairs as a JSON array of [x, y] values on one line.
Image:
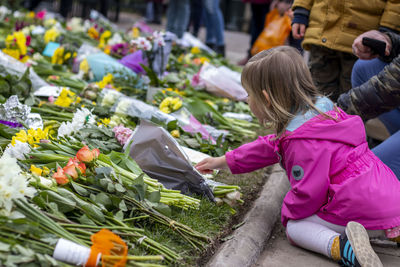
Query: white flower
[[13, 185], [81, 117], [123, 106], [75, 25], [116, 39], [109, 98], [18, 151], [65, 129], [142, 43], [158, 38]]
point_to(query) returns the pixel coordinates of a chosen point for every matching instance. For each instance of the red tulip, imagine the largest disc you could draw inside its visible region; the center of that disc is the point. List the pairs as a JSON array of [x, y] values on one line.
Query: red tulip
[[60, 177]]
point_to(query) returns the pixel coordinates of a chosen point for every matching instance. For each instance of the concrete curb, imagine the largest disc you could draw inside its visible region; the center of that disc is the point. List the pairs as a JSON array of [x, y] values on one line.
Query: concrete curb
[[249, 240]]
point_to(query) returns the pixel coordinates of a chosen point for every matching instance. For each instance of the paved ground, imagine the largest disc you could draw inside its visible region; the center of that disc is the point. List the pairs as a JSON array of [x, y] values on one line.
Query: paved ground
[[279, 252], [237, 43]]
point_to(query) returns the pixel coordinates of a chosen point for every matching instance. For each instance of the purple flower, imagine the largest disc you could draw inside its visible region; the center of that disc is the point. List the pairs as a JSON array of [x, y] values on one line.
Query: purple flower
[[11, 124]]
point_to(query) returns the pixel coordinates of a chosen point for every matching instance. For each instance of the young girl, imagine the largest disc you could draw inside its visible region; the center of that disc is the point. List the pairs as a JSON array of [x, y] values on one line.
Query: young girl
[[338, 185]]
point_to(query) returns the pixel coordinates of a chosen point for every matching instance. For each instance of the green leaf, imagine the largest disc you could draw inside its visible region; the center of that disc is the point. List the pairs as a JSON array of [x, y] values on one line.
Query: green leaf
[[122, 206], [94, 212], [120, 188], [154, 196], [106, 171], [119, 215], [79, 189], [110, 188], [85, 220], [103, 199], [65, 204]]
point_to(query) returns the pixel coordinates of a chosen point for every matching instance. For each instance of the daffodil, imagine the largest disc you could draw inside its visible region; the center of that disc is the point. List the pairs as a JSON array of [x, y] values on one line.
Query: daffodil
[[65, 98], [31, 136], [135, 32], [84, 66], [16, 46], [105, 121], [36, 170], [108, 79], [195, 50], [58, 56], [51, 35], [93, 33], [104, 38]]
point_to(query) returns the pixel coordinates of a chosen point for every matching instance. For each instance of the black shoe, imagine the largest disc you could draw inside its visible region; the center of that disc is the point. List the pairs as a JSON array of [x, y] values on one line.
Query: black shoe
[[355, 248], [220, 49]]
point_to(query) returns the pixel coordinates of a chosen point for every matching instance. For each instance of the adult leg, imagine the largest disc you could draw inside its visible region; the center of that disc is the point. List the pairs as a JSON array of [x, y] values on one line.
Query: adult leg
[[208, 15], [324, 64], [388, 151], [172, 14], [182, 17], [149, 11], [363, 70]]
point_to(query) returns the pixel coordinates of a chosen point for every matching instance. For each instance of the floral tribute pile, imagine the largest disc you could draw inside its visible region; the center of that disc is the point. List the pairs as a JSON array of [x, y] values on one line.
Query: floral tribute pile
[[72, 94]]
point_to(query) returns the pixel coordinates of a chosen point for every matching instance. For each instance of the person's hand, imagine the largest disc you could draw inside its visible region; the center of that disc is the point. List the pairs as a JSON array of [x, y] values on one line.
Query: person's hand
[[298, 30], [364, 52], [209, 164]]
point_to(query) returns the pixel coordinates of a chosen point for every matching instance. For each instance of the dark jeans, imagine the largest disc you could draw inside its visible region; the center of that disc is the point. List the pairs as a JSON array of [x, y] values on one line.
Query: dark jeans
[[258, 14], [388, 151]]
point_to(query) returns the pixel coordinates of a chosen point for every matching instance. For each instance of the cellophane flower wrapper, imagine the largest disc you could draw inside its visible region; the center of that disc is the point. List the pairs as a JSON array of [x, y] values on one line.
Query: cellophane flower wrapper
[[159, 155]]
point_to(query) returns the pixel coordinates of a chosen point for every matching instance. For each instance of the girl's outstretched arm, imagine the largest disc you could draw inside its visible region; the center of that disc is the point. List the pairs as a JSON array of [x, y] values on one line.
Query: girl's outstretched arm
[[209, 164]]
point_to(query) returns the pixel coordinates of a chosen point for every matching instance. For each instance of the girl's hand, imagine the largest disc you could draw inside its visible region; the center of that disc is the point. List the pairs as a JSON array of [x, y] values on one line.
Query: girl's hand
[[298, 30], [207, 165]]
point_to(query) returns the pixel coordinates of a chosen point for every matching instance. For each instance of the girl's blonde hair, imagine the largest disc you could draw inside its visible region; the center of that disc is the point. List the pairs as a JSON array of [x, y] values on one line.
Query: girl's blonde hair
[[283, 74]]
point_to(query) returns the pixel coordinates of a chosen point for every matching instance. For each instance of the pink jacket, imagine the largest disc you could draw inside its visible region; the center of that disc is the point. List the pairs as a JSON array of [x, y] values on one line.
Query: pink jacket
[[331, 170]]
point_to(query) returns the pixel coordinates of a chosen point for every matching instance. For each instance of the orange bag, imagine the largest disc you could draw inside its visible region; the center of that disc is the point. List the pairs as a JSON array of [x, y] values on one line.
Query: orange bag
[[276, 30]]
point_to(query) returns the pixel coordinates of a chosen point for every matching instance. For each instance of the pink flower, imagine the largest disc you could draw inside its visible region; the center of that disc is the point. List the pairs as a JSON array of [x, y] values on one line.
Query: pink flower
[[51, 99], [122, 134], [28, 40], [41, 14]]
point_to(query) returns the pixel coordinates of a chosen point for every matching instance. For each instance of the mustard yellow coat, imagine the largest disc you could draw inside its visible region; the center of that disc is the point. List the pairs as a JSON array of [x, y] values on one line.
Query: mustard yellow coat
[[336, 23]]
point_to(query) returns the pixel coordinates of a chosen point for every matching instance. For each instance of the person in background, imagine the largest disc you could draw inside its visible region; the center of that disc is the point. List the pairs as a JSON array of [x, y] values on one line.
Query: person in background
[[329, 29], [376, 92], [196, 14], [178, 15], [339, 188], [215, 26], [154, 11], [259, 10]]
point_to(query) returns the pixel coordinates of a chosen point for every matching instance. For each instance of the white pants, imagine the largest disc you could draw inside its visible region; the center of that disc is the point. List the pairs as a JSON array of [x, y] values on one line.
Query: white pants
[[317, 235]]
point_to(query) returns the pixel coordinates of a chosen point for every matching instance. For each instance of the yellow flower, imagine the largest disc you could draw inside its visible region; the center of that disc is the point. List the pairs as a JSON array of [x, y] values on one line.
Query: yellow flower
[[135, 32], [51, 35], [64, 99], [84, 66], [12, 52], [36, 170], [78, 100], [165, 110], [75, 54], [94, 103], [67, 56], [41, 103], [104, 38], [175, 133], [45, 171], [16, 46], [180, 58], [107, 50], [195, 50], [58, 56], [105, 121], [204, 59], [93, 33], [225, 100], [31, 137], [108, 79], [170, 104], [31, 15]]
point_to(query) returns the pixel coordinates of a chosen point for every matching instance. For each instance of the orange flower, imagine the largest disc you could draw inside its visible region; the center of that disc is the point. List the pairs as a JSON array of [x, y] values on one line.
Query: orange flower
[[60, 177], [75, 162], [86, 155], [71, 171]]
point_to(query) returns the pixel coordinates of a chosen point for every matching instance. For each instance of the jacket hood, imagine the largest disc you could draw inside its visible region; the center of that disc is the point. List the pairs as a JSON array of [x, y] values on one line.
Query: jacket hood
[[344, 128]]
